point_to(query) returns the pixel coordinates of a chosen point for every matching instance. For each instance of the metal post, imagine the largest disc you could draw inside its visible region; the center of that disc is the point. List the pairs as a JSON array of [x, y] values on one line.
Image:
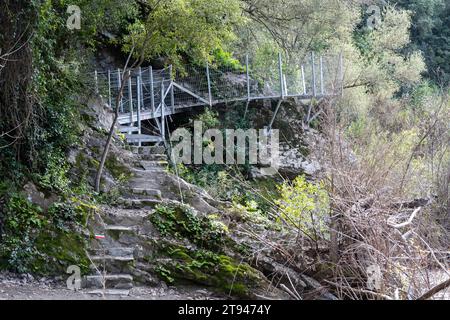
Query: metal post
[[209, 85], [274, 115], [341, 71], [119, 85], [172, 93], [139, 95], [280, 65], [152, 89], [96, 81], [248, 77], [285, 85], [163, 121], [322, 86], [140, 87], [130, 96], [109, 88], [313, 63], [303, 80]]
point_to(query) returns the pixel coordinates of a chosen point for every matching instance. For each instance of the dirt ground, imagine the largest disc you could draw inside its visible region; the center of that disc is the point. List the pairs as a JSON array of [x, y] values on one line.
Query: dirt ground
[[25, 287], [13, 287]]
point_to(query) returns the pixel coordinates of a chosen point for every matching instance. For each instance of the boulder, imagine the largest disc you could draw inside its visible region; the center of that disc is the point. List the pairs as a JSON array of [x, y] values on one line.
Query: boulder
[[37, 197]]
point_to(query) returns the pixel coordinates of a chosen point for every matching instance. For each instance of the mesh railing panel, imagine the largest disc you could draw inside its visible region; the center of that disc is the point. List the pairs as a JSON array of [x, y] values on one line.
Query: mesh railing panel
[[319, 75]]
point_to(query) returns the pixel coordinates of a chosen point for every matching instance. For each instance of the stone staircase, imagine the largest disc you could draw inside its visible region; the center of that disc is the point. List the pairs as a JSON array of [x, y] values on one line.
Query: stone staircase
[[112, 253]]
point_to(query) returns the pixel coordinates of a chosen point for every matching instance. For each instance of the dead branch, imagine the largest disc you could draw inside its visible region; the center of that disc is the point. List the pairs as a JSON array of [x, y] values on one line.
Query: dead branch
[[430, 293], [407, 222], [376, 294]]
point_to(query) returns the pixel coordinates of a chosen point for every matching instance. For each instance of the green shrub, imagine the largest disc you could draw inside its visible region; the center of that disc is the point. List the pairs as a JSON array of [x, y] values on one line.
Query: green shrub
[[184, 222], [225, 59], [55, 177], [20, 222], [304, 206]]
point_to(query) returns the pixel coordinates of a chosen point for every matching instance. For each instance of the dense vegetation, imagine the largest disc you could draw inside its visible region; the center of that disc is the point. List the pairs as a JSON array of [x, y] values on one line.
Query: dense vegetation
[[393, 116], [430, 33]]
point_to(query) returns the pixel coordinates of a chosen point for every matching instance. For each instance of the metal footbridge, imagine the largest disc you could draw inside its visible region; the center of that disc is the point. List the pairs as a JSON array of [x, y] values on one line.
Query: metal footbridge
[[154, 95]]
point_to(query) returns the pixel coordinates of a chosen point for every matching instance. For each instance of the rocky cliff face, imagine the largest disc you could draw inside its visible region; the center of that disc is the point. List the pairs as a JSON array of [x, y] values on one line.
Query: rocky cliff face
[[159, 228]]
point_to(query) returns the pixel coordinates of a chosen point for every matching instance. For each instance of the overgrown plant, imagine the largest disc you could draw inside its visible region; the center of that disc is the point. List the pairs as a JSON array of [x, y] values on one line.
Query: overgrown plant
[[305, 206]]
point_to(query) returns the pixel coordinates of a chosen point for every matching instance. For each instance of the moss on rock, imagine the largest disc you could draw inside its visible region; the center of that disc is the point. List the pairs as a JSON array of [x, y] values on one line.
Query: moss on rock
[[58, 250], [210, 269], [119, 171], [184, 222]]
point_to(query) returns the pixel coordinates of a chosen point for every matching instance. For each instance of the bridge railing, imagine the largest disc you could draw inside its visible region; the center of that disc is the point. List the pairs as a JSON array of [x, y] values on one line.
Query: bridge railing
[[313, 76]]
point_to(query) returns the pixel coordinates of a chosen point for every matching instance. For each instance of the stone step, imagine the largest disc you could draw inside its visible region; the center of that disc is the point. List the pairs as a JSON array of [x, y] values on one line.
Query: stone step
[[100, 258], [151, 170], [118, 252], [151, 150], [142, 138], [110, 292], [119, 228], [151, 193], [134, 149], [119, 232], [139, 203], [153, 163], [154, 157], [110, 281], [111, 264]]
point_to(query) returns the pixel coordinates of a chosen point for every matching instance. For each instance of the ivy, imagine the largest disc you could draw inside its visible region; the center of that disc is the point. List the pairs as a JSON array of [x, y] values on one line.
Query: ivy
[[20, 220]]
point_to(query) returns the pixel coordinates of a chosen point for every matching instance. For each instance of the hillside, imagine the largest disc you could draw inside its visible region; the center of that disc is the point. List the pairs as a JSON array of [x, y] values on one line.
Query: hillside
[[228, 149]]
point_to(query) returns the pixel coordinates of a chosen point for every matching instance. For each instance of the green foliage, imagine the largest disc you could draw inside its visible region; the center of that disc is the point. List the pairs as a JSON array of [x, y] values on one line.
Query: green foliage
[[184, 222], [185, 28], [24, 226], [305, 206], [320, 24], [165, 274], [20, 220], [225, 59], [209, 118], [60, 214], [256, 213], [55, 177], [59, 59], [430, 32], [357, 128], [219, 180]]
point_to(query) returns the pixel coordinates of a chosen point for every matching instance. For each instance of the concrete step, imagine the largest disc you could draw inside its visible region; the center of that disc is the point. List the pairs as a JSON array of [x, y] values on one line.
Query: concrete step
[[110, 281], [110, 292]]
